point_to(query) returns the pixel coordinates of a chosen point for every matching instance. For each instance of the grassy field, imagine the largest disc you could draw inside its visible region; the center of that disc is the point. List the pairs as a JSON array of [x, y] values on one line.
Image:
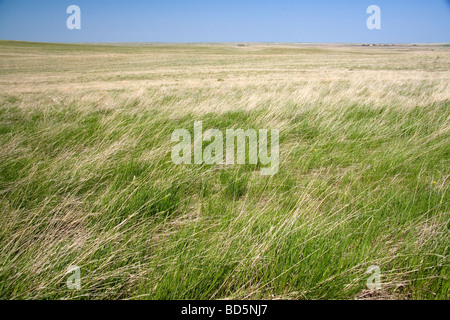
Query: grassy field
[[86, 176]]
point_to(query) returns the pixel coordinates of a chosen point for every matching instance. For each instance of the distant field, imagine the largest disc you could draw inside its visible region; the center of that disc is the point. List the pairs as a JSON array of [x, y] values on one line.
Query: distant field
[[86, 176]]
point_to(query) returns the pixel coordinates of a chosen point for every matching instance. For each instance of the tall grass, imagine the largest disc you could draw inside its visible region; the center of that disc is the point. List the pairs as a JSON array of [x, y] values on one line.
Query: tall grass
[[86, 176]]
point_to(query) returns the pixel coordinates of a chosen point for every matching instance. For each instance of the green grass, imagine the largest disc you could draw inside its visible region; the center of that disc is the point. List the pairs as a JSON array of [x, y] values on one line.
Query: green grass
[[83, 183]]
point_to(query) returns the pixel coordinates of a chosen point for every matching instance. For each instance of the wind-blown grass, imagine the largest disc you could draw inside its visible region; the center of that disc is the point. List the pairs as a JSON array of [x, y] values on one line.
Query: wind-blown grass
[[86, 176]]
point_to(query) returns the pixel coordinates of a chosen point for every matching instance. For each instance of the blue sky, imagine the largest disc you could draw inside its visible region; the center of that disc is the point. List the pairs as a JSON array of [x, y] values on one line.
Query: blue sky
[[402, 21]]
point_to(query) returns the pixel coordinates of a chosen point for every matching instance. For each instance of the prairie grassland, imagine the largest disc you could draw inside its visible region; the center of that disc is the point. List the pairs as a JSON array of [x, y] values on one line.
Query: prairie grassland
[[86, 176]]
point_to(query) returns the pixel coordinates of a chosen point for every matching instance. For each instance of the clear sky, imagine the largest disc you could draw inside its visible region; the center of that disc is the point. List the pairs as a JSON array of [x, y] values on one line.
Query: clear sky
[[406, 21]]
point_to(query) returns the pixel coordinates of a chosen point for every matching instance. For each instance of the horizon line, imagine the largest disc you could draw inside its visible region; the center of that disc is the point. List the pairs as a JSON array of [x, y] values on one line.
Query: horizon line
[[228, 42]]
